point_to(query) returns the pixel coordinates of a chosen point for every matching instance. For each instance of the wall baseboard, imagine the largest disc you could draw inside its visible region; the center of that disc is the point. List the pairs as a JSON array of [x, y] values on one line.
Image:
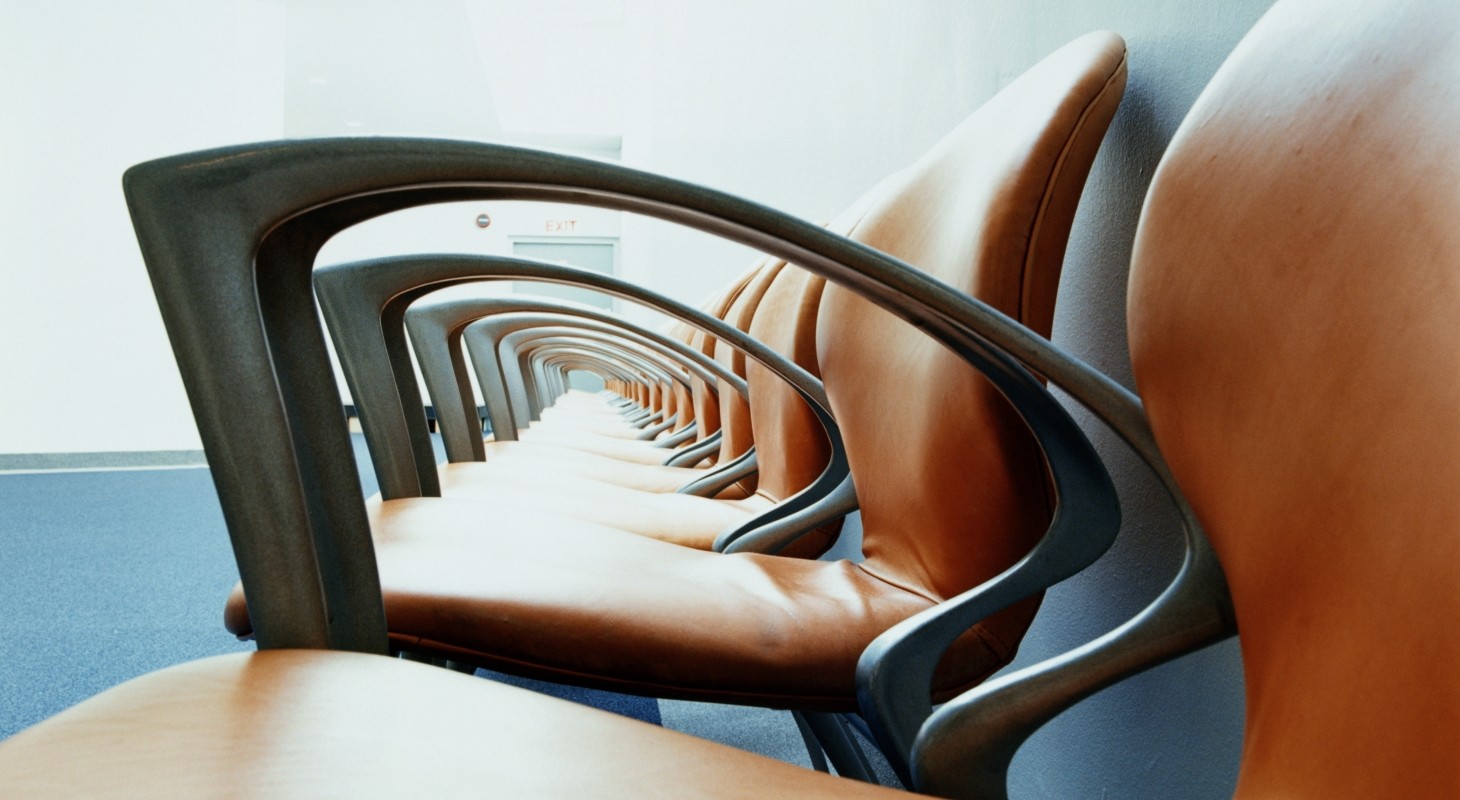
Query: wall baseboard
[[143, 459]]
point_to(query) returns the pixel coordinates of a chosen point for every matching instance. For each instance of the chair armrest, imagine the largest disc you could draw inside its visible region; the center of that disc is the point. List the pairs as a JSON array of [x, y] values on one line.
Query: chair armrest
[[366, 306], [232, 234], [436, 330], [966, 746]]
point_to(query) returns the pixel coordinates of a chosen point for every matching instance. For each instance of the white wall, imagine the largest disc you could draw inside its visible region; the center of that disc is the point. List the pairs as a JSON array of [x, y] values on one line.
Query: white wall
[[800, 106], [88, 89]]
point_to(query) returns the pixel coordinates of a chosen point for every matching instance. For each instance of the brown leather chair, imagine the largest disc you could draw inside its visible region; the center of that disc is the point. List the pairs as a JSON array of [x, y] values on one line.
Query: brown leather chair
[[737, 305], [732, 304], [439, 331], [779, 309], [1293, 328], [364, 304], [1292, 312], [235, 295], [952, 492]]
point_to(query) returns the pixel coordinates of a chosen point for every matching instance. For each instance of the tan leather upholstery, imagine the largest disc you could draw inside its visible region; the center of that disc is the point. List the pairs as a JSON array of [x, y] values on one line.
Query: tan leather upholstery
[[307, 724], [684, 519], [546, 442], [549, 461], [636, 614], [735, 410], [737, 307], [1293, 316], [794, 449], [591, 604], [951, 486]]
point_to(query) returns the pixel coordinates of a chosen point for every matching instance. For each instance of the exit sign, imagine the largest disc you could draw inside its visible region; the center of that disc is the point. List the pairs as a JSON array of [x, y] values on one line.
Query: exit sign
[[560, 225]]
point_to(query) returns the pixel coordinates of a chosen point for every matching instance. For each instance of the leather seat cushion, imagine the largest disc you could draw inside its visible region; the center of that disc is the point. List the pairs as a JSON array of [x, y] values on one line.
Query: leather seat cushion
[[571, 422], [683, 519], [592, 605], [527, 463], [309, 724], [636, 451], [565, 452]]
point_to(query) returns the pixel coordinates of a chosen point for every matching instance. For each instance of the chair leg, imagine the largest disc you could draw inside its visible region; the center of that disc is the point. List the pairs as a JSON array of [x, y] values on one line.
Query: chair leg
[[813, 747], [831, 732]]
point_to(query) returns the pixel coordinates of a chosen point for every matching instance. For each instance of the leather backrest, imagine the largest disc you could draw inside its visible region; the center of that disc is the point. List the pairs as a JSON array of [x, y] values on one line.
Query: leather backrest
[[734, 410], [707, 401], [1293, 320], [951, 485], [793, 447]]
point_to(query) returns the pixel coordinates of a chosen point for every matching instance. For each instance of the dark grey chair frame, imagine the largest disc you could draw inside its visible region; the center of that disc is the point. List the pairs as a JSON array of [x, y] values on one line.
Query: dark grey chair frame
[[527, 379], [481, 337], [696, 364], [551, 362], [230, 236], [436, 330], [549, 372], [442, 362], [365, 302]]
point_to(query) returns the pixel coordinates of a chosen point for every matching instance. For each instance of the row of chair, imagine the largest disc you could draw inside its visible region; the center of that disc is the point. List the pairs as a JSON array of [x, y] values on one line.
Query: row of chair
[[950, 485], [1291, 329]]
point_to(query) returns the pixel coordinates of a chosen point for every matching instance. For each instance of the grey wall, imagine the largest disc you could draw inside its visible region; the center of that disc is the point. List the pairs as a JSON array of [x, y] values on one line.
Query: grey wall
[[1175, 731]]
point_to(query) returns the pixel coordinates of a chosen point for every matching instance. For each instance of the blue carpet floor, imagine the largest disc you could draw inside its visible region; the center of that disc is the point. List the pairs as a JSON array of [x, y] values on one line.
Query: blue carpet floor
[[107, 575]]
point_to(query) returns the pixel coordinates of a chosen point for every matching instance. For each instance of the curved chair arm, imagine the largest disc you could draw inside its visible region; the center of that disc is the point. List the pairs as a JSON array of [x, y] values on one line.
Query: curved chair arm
[[553, 366], [688, 358], [550, 373], [697, 452], [482, 336], [252, 218], [721, 478], [524, 349], [383, 295], [965, 748], [828, 498], [556, 370], [532, 381], [527, 382], [436, 330], [365, 304], [675, 440], [550, 370], [481, 339]]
